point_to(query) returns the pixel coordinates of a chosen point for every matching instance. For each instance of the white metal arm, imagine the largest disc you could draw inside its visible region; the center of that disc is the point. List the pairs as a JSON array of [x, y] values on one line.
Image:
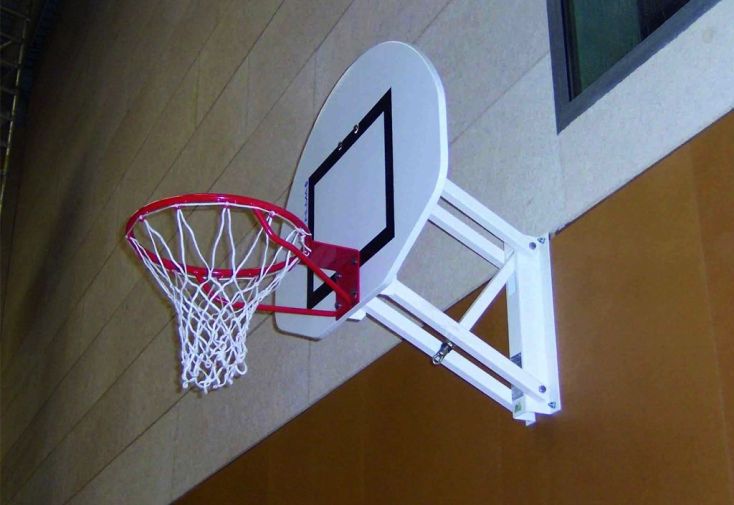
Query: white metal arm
[[524, 271]]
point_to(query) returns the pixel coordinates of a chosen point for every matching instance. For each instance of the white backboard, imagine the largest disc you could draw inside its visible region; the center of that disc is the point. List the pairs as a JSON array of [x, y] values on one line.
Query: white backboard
[[371, 171]]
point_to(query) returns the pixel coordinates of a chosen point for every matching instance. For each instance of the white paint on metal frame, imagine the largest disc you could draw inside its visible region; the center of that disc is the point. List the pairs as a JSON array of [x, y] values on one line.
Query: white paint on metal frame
[[526, 274]]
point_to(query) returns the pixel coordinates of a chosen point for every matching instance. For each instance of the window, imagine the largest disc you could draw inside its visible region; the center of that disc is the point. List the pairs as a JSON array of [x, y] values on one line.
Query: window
[[597, 43]]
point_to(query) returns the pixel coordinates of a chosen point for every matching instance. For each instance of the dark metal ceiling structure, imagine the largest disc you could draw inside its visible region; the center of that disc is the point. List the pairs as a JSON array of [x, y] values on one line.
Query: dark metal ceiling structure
[[24, 26]]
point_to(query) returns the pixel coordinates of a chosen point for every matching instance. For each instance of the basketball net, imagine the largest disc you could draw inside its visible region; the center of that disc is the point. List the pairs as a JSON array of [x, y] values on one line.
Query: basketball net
[[214, 306]]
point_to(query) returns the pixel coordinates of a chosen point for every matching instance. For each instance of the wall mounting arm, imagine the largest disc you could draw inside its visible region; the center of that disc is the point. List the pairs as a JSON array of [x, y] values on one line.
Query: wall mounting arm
[[523, 269]]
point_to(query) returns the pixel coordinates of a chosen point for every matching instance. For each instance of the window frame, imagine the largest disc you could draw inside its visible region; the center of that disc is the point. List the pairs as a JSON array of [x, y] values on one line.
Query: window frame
[[568, 109]]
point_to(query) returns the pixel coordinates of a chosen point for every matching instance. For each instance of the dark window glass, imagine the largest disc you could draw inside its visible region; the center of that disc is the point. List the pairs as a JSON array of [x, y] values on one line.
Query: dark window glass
[[600, 33], [595, 44]]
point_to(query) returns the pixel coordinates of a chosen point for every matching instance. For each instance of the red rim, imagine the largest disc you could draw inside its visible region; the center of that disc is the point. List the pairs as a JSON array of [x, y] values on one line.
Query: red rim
[[193, 199]]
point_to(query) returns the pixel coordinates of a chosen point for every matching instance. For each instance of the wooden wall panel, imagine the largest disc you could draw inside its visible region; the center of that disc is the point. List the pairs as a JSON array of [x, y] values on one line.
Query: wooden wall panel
[[424, 426], [712, 156], [644, 290], [325, 462], [641, 420]]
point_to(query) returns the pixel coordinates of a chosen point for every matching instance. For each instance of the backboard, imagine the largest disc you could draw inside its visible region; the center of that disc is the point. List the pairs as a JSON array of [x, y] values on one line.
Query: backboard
[[372, 169]]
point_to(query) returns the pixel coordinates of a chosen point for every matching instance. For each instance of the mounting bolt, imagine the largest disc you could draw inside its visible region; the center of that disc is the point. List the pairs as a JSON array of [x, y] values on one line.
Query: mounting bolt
[[542, 389], [541, 240], [532, 246], [339, 146], [552, 405], [355, 129], [338, 306], [354, 261], [337, 276], [353, 293]]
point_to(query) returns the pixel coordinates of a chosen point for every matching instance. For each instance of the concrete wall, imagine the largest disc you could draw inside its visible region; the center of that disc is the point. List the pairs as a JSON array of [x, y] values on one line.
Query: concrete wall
[[137, 100]]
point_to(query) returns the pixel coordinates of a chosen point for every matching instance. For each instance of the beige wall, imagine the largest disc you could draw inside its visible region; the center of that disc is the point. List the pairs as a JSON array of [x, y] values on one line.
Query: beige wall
[[137, 100]]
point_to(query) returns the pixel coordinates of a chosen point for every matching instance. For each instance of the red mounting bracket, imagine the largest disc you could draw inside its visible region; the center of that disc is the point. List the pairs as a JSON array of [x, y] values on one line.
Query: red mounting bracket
[[344, 261]]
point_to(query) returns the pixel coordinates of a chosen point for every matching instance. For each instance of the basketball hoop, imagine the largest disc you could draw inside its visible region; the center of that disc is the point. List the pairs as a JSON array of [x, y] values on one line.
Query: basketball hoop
[[216, 293], [372, 174]]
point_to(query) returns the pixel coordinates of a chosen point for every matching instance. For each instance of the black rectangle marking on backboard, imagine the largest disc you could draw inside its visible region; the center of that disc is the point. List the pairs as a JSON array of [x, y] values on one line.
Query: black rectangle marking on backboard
[[383, 108]]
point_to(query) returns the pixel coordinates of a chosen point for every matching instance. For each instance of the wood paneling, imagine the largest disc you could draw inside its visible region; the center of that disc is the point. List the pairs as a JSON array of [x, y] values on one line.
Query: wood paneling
[[712, 157], [641, 420], [644, 286]]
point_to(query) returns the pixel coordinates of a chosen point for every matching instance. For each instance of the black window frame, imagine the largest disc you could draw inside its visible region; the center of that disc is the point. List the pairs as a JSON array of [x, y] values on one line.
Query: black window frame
[[567, 108]]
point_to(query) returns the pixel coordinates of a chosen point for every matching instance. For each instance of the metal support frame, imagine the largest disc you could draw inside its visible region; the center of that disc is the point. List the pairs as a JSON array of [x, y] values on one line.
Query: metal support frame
[[523, 269], [6, 142], [13, 12]]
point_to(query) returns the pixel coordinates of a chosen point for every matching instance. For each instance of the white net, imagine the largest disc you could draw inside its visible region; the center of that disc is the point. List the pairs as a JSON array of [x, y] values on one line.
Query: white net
[[215, 293]]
